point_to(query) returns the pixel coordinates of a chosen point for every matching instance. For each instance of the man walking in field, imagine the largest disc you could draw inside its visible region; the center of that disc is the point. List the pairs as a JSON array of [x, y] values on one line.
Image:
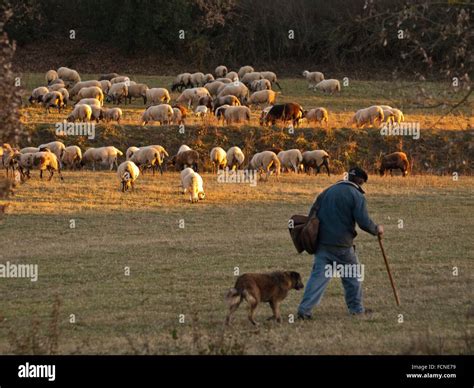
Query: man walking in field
[[339, 208]]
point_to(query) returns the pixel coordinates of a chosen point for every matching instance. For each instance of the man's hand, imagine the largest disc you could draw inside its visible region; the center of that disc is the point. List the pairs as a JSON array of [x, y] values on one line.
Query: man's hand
[[380, 230]]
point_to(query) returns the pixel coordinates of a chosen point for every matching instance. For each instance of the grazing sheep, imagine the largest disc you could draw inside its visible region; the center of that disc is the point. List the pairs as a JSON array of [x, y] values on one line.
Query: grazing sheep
[[244, 70], [397, 114], [285, 112], [313, 78], [70, 76], [328, 86], [56, 87], [369, 116], [65, 94], [192, 182], [24, 163], [248, 78], [50, 76], [183, 148], [130, 151], [94, 103], [264, 162], [56, 147], [29, 150], [223, 80], [46, 161], [147, 157], [108, 77], [57, 81], [261, 84], [270, 76], [235, 158], [226, 100], [137, 91], [237, 89], [182, 81], [54, 100], [267, 97], [213, 87], [127, 173], [161, 150], [233, 76], [84, 84], [184, 111], [237, 114], [291, 159], [218, 159], [177, 117], [201, 111], [157, 96], [220, 71], [72, 157], [315, 159], [388, 116], [395, 160], [111, 114], [105, 85], [118, 91], [161, 113], [81, 112], [192, 96], [197, 79], [220, 112], [91, 92], [8, 158], [120, 79], [103, 155], [38, 94], [318, 115], [183, 159]]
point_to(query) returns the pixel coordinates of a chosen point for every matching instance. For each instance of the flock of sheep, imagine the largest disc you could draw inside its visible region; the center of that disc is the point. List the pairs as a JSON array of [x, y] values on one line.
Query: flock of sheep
[[226, 95]]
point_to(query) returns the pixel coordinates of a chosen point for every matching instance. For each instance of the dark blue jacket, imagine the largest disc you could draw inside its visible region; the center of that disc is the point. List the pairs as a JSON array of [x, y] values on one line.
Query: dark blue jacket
[[341, 206]]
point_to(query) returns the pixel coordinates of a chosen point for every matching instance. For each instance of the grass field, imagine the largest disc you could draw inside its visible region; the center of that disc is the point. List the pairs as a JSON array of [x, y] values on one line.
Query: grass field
[[172, 299]]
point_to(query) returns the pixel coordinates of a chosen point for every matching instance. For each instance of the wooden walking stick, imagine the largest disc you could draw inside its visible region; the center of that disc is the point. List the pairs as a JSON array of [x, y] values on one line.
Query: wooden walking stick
[[394, 288]]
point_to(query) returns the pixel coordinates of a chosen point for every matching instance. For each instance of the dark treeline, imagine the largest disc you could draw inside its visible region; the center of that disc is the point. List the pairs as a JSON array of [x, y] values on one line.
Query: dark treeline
[[423, 37]]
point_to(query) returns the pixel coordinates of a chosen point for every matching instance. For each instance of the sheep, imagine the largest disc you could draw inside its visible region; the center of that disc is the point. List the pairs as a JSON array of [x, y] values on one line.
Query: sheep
[[248, 78], [233, 76], [388, 116], [313, 78], [368, 115], [193, 95], [108, 77], [157, 96], [147, 157], [237, 114], [127, 173], [8, 156], [130, 151], [91, 92], [161, 113], [183, 159], [284, 112], [213, 87], [221, 71], [138, 91], [103, 155], [120, 79], [177, 117], [182, 81], [183, 148], [24, 163], [46, 161], [112, 114], [264, 113], [235, 158], [264, 162], [218, 159], [72, 157], [192, 182], [207, 102], [244, 70], [328, 86], [118, 91], [29, 150], [65, 94], [395, 160], [197, 79], [225, 100], [83, 84], [161, 150], [81, 112], [50, 76], [105, 86], [318, 115], [223, 80], [237, 89], [315, 159], [220, 112], [270, 76], [263, 97], [37, 94], [94, 103], [201, 111], [396, 114], [58, 81], [53, 99], [261, 84], [291, 159], [70, 76], [56, 87], [56, 147]]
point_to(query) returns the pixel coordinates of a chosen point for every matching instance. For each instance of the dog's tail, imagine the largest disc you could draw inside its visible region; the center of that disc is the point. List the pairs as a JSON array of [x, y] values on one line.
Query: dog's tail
[[233, 296]]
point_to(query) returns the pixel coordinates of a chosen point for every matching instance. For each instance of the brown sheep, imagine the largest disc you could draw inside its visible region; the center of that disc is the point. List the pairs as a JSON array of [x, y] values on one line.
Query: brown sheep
[[395, 160], [185, 159]]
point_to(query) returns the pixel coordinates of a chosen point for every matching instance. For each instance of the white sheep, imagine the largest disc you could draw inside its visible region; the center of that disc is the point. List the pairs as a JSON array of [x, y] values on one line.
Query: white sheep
[[56, 147], [56, 87], [46, 161], [221, 71], [138, 91], [161, 113], [201, 111], [53, 100], [317, 115], [248, 78], [81, 112], [65, 95], [147, 157], [265, 162], [313, 78], [181, 82], [112, 114], [70, 76], [103, 155], [191, 96], [83, 84], [244, 70], [235, 158], [117, 92], [315, 159], [237, 114], [130, 151], [397, 114], [291, 159], [72, 157], [368, 116], [192, 182], [271, 77], [183, 148], [105, 85], [177, 116], [91, 92], [237, 89], [50, 76], [233, 76], [127, 173], [120, 79], [218, 159], [267, 97], [213, 87], [94, 103], [261, 84], [37, 94], [330, 86], [157, 96], [29, 150]]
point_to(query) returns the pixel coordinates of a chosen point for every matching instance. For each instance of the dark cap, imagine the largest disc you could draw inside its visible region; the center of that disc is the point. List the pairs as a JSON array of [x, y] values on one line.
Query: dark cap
[[358, 172]]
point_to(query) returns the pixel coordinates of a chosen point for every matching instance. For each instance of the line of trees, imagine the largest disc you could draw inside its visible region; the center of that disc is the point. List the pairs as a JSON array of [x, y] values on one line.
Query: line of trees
[[423, 36]]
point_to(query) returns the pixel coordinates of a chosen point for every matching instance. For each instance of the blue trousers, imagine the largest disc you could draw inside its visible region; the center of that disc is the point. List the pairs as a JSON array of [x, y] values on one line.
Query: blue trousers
[[318, 281]]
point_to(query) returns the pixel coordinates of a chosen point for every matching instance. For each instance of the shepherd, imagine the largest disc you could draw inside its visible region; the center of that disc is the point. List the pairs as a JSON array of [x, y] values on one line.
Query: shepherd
[[338, 209]]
